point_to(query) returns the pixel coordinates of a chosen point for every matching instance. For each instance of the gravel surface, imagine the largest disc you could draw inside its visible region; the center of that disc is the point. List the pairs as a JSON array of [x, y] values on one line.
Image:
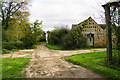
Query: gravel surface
[[46, 63]]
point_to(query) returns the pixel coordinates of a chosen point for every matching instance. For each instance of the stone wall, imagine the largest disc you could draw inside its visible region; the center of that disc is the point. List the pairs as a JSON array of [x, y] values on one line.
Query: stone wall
[[99, 33]]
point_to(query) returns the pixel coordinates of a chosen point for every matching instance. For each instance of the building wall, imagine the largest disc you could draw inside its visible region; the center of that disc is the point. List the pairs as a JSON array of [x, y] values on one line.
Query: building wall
[[99, 33]]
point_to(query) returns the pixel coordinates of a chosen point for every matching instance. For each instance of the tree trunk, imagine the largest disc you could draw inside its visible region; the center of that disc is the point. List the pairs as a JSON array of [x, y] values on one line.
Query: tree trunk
[[3, 18], [8, 15]]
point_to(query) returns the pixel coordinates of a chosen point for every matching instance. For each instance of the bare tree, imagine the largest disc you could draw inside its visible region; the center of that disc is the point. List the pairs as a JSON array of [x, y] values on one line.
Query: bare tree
[[99, 11]]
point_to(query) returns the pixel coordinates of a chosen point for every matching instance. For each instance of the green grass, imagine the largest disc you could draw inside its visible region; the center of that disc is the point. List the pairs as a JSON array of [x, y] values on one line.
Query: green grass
[[94, 61], [12, 67], [89, 48], [34, 46], [54, 47], [57, 47], [5, 51]]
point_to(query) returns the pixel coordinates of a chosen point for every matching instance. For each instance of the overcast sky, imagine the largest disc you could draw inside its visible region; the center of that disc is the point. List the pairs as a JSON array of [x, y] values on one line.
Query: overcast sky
[[64, 12]]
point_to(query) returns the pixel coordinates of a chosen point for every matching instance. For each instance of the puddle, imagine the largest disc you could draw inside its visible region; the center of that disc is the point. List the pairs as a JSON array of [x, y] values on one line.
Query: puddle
[[79, 73]]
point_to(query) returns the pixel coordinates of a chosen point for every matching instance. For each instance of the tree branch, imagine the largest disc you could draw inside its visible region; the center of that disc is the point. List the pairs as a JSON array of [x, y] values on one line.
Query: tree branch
[[17, 8]]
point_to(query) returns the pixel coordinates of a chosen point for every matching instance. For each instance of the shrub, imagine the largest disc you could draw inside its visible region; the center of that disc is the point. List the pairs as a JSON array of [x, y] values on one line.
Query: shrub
[[5, 51], [115, 57], [101, 46], [74, 40], [69, 42], [55, 36], [43, 39], [9, 45], [67, 39], [28, 40], [19, 44], [4, 44], [12, 45]]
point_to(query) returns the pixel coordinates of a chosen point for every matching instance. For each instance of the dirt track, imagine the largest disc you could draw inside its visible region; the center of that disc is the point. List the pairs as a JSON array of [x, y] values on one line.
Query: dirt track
[[46, 63]]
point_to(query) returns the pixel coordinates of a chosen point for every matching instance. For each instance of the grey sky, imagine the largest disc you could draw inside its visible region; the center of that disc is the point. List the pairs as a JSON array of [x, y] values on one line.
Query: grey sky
[[64, 12]]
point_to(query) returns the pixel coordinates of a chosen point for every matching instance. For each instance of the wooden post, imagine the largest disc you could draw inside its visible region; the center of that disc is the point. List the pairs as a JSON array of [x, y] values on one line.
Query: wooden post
[[118, 43], [119, 16], [108, 33]]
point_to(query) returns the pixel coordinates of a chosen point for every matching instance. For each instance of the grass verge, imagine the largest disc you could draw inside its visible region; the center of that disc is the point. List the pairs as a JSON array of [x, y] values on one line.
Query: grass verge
[[34, 46], [12, 67], [54, 47], [57, 47], [5, 51], [94, 62]]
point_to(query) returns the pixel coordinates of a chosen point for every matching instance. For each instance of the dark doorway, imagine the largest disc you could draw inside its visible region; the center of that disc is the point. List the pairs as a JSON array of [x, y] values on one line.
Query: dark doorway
[[91, 37]]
